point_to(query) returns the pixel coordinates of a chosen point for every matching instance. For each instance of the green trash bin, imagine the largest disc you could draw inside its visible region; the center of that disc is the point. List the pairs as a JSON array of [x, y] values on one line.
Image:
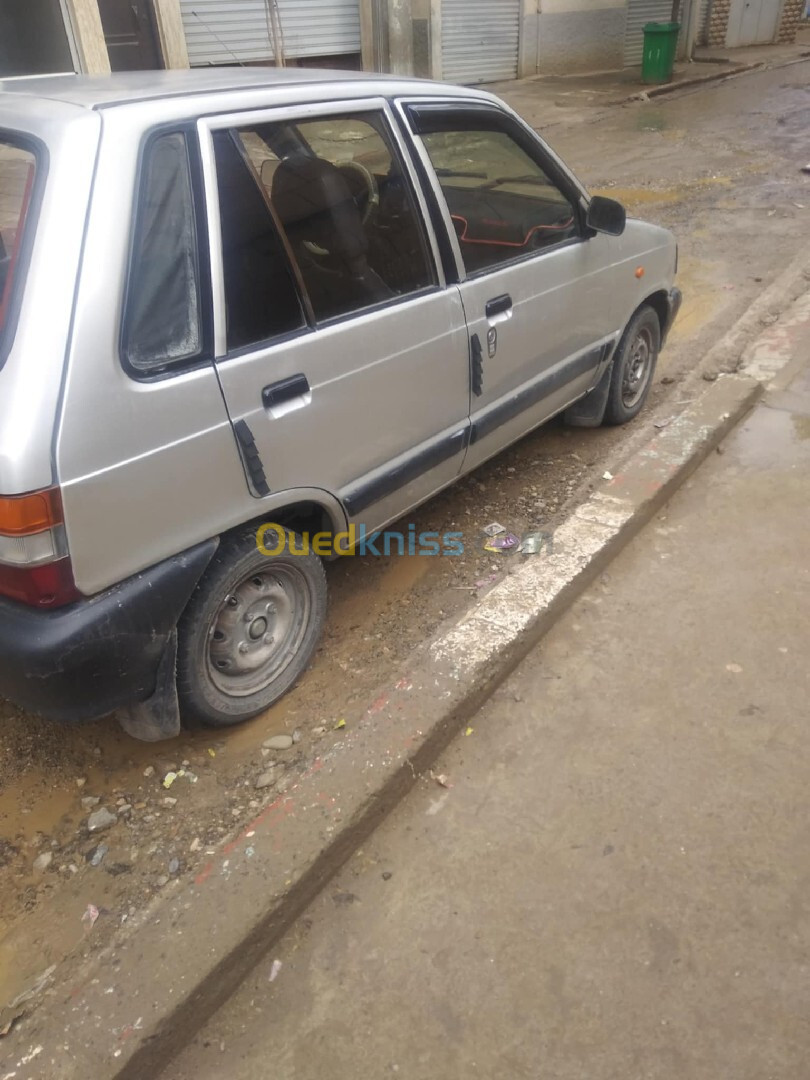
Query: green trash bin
[[660, 42]]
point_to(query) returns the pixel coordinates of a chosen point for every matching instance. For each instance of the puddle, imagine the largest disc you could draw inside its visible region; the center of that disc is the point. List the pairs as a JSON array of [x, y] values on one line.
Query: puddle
[[773, 439]]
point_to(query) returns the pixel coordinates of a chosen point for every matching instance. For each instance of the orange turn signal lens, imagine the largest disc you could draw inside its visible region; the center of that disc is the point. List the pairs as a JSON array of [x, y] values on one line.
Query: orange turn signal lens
[[639, 271], [24, 515]]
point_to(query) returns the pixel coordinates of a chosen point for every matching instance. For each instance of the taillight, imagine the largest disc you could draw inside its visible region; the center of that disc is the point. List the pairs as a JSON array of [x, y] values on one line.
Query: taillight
[[34, 563]]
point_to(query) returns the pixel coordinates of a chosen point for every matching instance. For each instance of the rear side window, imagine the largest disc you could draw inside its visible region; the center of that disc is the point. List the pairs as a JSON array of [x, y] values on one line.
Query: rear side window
[[163, 317], [18, 169], [261, 299]]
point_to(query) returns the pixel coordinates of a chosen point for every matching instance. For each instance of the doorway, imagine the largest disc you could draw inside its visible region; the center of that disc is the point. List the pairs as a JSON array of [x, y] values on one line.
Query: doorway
[[752, 22], [129, 32]]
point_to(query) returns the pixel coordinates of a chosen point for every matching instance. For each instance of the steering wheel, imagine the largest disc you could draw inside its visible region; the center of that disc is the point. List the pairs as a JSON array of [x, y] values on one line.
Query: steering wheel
[[355, 173], [354, 170]]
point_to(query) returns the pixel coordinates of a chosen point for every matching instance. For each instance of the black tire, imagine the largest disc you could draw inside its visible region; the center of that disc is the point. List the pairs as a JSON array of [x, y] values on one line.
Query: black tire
[[633, 367], [249, 630]]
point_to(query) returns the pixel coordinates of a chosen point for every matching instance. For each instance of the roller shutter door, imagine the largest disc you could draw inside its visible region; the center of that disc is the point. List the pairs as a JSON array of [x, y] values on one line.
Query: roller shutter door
[[231, 31], [703, 22], [639, 13], [480, 40]]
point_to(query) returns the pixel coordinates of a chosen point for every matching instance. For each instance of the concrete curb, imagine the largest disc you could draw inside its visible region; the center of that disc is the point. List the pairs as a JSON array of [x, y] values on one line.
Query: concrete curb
[[696, 80], [714, 76], [134, 1005]]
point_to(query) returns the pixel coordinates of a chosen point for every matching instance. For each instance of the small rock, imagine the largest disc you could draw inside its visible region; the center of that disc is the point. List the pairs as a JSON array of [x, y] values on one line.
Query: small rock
[[100, 819], [319, 731], [149, 770], [162, 880], [278, 742], [96, 854], [43, 861], [174, 866], [118, 868], [169, 801], [387, 875], [81, 781], [89, 801], [710, 376], [125, 808], [297, 735], [120, 802], [196, 844], [266, 779]]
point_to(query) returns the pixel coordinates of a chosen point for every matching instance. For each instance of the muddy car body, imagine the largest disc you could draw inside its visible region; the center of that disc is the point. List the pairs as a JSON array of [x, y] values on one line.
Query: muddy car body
[[238, 297]]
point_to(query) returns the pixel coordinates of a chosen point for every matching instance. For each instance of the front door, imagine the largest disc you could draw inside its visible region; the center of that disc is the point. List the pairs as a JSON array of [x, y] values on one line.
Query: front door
[[535, 290], [341, 353], [129, 32], [752, 22]]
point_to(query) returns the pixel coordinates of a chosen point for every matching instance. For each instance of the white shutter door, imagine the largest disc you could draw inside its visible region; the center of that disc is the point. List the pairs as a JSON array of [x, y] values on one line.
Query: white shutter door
[[639, 13], [480, 40], [230, 31]]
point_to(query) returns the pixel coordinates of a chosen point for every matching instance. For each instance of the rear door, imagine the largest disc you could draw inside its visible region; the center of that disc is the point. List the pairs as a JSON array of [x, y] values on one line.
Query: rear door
[[341, 353], [535, 286]]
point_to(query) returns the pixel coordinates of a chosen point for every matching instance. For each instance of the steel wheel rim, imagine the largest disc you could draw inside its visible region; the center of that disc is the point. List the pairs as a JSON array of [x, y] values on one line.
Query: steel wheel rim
[[257, 630], [637, 368]]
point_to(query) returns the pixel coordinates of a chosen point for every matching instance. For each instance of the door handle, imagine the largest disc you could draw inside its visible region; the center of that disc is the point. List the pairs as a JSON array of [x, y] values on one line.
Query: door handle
[[277, 393], [499, 305]]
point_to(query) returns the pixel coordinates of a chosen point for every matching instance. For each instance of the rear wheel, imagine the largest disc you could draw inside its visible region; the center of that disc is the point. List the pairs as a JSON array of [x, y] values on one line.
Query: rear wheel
[[633, 367], [249, 630]]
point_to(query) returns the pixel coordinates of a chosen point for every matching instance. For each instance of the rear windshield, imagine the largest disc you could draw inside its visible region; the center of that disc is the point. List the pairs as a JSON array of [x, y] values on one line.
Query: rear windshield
[[18, 168]]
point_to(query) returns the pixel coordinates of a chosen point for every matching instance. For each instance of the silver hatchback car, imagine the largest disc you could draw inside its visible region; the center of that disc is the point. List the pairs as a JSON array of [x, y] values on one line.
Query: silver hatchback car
[[247, 316]]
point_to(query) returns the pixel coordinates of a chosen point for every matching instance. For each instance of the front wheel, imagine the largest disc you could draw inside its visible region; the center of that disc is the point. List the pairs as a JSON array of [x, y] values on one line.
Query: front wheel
[[633, 367], [249, 630]]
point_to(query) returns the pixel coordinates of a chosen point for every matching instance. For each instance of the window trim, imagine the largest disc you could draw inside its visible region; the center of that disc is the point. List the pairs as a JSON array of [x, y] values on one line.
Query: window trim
[[205, 356], [512, 125], [32, 145], [310, 111]]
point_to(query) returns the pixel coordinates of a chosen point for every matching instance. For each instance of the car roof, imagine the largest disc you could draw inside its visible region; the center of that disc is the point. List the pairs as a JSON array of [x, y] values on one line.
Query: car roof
[[105, 91]]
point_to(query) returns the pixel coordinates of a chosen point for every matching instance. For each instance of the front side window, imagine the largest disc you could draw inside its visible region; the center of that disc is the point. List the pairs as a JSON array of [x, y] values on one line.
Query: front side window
[[18, 169], [332, 206], [163, 318], [502, 201]]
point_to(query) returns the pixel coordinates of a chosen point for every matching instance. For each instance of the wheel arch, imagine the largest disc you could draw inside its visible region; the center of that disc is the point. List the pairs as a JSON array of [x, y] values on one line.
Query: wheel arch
[[301, 511], [659, 302]]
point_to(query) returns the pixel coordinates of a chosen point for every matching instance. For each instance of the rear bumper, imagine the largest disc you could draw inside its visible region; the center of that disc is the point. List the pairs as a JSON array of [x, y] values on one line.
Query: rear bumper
[[83, 661], [675, 299]]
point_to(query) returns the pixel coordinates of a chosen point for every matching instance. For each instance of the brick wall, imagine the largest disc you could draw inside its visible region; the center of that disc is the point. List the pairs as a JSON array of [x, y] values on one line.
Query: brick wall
[[792, 14], [718, 22]]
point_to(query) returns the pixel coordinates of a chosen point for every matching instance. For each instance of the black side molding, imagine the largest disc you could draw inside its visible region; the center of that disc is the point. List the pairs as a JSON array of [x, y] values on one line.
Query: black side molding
[[251, 458], [513, 406], [365, 494]]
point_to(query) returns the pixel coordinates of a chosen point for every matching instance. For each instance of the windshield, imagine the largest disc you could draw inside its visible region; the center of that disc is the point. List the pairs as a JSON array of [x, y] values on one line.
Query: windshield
[[17, 172]]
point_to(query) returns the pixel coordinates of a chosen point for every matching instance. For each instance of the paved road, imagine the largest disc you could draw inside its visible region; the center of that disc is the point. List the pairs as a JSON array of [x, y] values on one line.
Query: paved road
[[616, 886]]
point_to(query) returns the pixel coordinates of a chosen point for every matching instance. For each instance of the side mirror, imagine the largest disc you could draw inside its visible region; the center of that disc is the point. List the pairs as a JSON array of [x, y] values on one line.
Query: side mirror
[[606, 216]]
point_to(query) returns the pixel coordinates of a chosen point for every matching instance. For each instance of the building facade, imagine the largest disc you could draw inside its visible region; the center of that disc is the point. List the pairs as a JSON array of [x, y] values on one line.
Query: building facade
[[464, 41]]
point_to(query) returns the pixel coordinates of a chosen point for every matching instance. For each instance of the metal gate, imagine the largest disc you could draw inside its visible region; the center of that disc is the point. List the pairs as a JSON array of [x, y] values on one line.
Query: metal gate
[[480, 40], [241, 31], [639, 13], [703, 22]]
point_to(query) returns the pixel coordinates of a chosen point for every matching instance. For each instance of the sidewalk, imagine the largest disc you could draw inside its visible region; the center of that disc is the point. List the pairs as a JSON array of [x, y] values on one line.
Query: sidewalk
[[545, 100], [611, 879]]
